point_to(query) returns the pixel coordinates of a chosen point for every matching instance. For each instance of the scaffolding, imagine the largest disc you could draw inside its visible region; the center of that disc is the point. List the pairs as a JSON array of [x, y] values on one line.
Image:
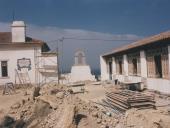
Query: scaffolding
[[46, 67]]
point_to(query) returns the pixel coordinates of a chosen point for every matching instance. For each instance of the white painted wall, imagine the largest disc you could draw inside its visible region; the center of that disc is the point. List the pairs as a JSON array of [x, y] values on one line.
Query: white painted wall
[[18, 31], [169, 60], [103, 67], [134, 78], [113, 67], [143, 64], [81, 73], [125, 63], [11, 55], [120, 78], [161, 85], [123, 78]]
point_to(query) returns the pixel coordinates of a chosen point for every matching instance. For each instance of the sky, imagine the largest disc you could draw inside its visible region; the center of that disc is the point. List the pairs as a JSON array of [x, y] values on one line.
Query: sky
[[51, 20]]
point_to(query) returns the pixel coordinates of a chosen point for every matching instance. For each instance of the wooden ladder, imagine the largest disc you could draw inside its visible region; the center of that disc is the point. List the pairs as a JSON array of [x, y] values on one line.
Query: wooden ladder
[[23, 77]]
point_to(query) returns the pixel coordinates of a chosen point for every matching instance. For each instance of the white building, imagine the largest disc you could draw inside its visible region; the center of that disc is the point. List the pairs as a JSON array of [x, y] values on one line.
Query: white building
[[147, 61], [80, 71], [24, 59]]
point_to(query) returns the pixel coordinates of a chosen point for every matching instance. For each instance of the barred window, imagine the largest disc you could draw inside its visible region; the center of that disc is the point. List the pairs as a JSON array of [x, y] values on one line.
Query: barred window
[[119, 65], [134, 67], [4, 69], [157, 63]]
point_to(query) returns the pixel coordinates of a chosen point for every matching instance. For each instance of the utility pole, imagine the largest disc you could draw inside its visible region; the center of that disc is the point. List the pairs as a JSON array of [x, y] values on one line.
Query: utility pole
[[58, 68]]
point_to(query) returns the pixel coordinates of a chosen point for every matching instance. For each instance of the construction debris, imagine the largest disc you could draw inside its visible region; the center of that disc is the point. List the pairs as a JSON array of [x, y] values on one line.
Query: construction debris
[[122, 100], [8, 88], [36, 92], [58, 107]]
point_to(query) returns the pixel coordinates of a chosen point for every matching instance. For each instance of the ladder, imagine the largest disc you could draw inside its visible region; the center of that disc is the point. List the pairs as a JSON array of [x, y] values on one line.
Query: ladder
[[23, 77]]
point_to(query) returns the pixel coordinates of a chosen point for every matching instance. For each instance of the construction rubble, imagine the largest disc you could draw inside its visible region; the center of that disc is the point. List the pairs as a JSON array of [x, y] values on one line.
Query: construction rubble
[[56, 106], [122, 100]]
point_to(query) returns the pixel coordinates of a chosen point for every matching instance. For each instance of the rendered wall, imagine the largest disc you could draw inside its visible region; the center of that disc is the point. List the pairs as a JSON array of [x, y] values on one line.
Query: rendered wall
[[161, 85], [18, 31], [103, 67], [12, 55], [81, 73]]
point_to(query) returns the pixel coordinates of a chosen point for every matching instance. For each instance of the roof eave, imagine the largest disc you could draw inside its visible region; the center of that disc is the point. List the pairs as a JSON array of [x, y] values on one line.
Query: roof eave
[[142, 42]]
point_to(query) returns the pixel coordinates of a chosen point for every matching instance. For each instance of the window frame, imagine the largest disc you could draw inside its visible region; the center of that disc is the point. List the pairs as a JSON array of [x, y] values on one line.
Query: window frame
[[7, 73]]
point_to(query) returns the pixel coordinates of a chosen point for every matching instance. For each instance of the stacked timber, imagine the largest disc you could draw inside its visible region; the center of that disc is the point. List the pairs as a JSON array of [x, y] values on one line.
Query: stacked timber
[[122, 100]]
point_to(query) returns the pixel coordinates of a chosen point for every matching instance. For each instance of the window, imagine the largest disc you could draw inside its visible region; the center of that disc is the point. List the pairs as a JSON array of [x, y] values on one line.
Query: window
[[157, 63], [4, 69], [158, 66], [119, 65], [134, 64]]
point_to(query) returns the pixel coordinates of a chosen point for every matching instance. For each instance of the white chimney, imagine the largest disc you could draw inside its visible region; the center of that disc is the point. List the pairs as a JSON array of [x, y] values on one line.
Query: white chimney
[[18, 31]]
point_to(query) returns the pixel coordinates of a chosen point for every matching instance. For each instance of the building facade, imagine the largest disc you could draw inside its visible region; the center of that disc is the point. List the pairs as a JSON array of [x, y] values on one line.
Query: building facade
[[24, 59], [146, 61]]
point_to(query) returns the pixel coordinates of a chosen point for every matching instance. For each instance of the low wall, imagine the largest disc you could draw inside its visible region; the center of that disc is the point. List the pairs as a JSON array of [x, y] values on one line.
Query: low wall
[[123, 78], [120, 78], [159, 84]]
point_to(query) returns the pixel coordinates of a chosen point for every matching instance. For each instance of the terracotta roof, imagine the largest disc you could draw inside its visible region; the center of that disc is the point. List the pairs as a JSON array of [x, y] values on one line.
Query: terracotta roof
[[5, 37], [142, 42]]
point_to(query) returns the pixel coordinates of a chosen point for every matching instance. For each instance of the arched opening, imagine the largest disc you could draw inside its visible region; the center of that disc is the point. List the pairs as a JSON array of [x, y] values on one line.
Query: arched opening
[[80, 58]]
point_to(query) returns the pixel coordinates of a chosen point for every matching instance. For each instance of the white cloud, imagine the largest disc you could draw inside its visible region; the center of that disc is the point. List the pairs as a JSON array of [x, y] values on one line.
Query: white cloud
[[93, 48], [52, 33]]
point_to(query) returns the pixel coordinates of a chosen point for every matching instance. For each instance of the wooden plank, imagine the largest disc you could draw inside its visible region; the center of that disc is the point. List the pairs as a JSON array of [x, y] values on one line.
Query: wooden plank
[[114, 106], [138, 101], [119, 100], [125, 105], [117, 96], [140, 98], [142, 104], [125, 99]]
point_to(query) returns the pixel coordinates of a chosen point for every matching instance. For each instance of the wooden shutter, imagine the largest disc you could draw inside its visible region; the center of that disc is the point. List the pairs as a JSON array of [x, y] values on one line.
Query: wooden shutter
[[151, 66], [165, 64], [117, 59]]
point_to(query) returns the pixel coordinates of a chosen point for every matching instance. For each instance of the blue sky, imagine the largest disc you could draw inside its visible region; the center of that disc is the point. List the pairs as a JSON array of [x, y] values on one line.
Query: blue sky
[[81, 18], [142, 17]]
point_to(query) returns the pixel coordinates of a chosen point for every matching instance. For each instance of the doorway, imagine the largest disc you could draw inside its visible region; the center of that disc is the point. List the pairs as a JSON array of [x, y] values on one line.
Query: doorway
[[158, 66], [135, 66]]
